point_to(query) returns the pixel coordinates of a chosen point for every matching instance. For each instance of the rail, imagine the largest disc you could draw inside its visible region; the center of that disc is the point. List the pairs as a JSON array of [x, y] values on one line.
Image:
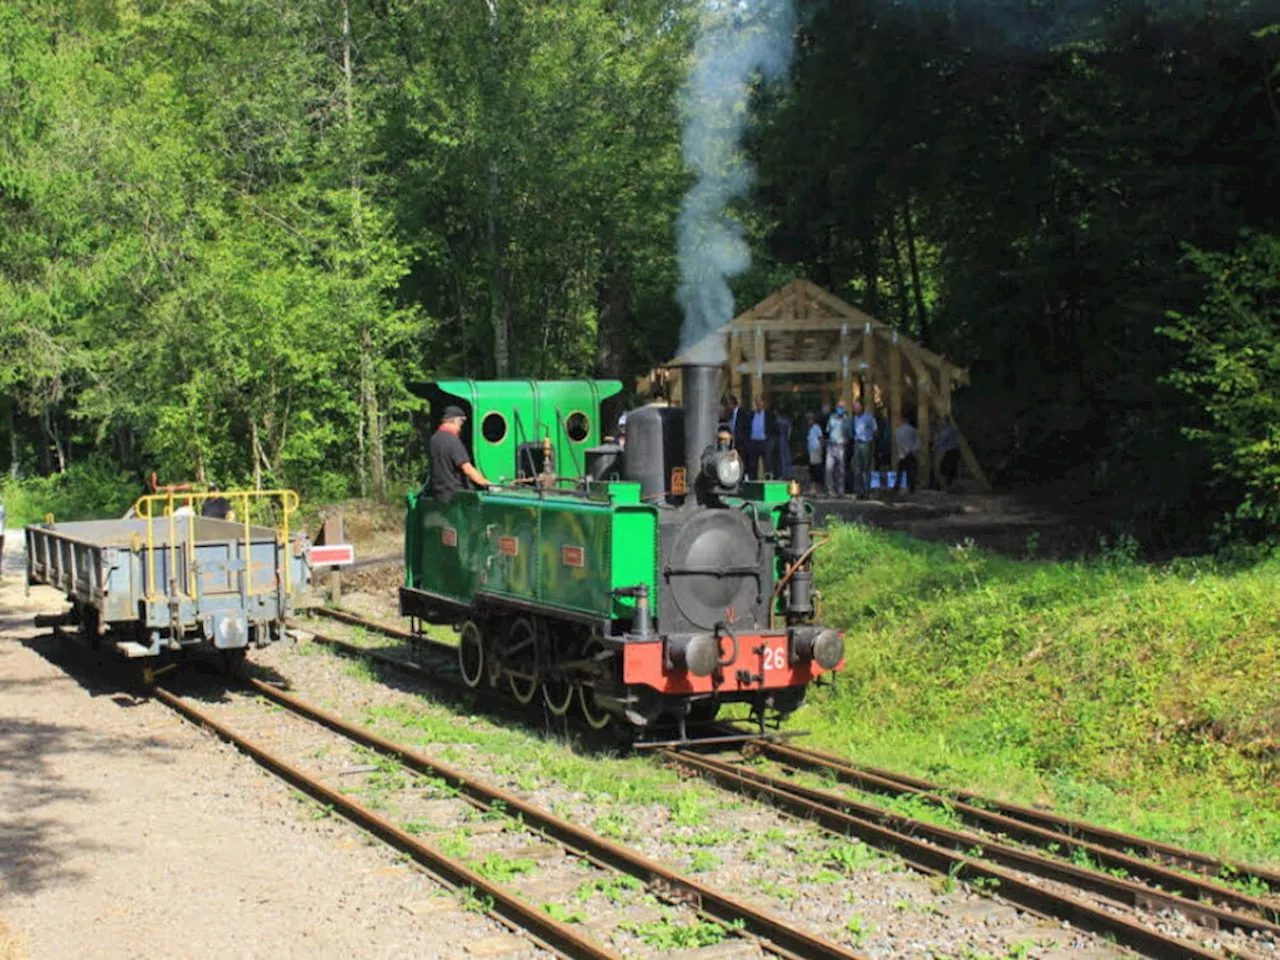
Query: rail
[[551, 933], [937, 848], [1114, 851]]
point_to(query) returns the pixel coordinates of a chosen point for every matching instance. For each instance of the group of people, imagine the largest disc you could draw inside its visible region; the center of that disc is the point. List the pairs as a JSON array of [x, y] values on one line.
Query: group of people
[[843, 446]]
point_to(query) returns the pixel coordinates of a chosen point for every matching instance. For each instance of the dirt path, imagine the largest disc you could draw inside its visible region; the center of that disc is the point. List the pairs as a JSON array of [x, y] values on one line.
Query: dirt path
[[125, 832]]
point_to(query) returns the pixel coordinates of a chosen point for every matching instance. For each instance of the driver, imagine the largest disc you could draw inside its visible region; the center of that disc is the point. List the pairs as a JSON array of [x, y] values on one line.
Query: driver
[[451, 466]]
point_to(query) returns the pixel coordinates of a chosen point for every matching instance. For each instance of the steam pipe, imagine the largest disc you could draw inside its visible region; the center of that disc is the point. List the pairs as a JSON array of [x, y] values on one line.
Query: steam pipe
[[701, 384]]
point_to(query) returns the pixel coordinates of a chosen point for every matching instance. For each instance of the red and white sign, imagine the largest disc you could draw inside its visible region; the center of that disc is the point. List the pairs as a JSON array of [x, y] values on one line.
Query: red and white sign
[[573, 556], [448, 537], [333, 555], [509, 546]]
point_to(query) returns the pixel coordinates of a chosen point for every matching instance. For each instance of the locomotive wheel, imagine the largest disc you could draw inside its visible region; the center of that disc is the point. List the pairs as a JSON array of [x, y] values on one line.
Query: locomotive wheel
[[471, 654], [522, 660], [557, 693], [596, 718]]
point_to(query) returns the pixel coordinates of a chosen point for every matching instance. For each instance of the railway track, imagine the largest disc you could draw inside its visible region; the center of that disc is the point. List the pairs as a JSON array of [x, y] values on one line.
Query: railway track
[[771, 935], [1198, 875], [1035, 859], [1031, 880]]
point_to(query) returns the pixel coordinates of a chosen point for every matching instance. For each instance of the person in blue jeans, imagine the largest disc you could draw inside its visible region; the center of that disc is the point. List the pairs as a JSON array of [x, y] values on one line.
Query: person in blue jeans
[[864, 439]]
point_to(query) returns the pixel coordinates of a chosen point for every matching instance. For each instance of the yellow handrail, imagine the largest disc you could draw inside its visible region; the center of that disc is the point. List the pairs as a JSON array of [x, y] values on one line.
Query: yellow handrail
[[143, 508]]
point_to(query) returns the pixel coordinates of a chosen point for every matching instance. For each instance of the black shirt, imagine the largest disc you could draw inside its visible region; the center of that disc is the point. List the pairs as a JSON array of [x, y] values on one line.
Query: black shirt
[[216, 507], [447, 457]]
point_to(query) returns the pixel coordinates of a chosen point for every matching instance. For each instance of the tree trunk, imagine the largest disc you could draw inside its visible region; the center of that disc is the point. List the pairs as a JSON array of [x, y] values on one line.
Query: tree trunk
[[14, 448], [370, 424], [499, 305], [256, 444], [49, 425], [871, 272], [899, 281], [612, 330], [922, 315]]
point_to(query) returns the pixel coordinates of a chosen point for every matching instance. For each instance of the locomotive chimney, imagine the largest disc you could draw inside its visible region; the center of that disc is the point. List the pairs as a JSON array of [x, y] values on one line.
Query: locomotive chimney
[[701, 384]]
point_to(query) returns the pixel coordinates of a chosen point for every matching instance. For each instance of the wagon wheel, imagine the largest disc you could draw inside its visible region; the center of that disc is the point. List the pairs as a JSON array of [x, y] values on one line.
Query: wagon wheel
[[471, 654], [231, 661], [522, 659], [89, 628], [557, 690], [597, 719]]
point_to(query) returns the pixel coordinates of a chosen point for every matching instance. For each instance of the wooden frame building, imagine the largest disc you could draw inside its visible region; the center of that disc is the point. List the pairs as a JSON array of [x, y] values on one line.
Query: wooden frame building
[[802, 338]]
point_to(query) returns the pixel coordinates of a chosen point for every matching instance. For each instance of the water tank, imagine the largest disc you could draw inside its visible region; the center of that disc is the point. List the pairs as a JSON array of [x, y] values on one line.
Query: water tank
[[655, 448]]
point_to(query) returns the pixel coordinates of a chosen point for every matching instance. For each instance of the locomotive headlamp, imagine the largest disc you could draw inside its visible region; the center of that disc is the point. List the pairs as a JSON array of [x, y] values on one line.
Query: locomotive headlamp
[[822, 645], [728, 467]]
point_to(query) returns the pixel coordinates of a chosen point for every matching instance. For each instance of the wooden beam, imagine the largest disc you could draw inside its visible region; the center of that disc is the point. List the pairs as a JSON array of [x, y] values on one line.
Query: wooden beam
[[843, 364], [895, 399], [757, 366], [790, 366], [924, 458], [779, 323], [869, 368], [966, 452], [735, 359], [765, 306], [944, 391]]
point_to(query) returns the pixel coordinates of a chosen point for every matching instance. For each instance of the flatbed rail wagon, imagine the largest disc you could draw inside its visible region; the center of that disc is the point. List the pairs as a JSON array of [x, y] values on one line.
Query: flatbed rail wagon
[[167, 579]]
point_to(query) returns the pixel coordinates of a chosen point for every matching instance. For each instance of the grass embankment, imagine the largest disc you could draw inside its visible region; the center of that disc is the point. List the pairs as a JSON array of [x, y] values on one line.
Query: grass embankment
[[1144, 697]]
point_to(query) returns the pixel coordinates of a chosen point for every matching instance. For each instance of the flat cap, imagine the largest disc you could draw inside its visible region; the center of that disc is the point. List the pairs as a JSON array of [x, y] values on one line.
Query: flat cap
[[453, 412]]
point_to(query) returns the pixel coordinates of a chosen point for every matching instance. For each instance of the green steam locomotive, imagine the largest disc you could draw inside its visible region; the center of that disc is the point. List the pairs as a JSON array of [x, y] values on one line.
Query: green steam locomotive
[[635, 582]]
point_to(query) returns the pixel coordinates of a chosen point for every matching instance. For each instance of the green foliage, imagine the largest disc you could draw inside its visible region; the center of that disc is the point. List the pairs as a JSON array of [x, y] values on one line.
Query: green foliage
[[564, 914], [90, 490], [616, 888], [1231, 371], [502, 869], [1010, 183], [1135, 694], [702, 861], [667, 934], [858, 928]]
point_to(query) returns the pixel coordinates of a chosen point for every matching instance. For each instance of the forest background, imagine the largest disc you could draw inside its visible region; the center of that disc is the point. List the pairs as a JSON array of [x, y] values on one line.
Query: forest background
[[235, 233]]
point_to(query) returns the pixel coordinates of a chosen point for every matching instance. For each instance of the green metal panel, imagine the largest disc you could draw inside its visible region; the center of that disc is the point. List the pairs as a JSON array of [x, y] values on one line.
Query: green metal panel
[[527, 411], [766, 491], [577, 545], [450, 547], [558, 403], [510, 558], [412, 541], [635, 553]]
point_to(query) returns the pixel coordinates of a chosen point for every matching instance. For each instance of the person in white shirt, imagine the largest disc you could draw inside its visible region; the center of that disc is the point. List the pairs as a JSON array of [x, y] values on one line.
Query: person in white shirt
[[837, 441], [813, 442], [908, 438]]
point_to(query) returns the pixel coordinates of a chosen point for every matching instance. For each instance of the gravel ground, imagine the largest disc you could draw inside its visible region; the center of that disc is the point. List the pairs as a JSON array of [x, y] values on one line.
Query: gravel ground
[[126, 832], [491, 843]]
